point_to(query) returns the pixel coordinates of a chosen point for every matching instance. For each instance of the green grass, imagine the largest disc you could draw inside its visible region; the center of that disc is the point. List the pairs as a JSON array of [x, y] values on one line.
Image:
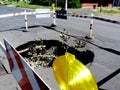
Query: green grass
[[110, 11], [22, 4]]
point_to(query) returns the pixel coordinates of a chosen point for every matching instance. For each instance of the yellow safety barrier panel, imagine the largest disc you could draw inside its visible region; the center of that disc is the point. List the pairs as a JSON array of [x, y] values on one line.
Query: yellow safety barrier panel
[[53, 7], [71, 74]]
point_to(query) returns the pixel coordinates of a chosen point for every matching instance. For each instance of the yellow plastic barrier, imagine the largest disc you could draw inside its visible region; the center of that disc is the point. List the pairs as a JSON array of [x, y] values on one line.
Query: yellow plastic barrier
[[53, 7], [71, 74]]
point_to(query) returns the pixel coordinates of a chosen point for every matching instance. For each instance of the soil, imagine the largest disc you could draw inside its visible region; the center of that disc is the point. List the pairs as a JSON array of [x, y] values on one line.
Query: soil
[[43, 52]]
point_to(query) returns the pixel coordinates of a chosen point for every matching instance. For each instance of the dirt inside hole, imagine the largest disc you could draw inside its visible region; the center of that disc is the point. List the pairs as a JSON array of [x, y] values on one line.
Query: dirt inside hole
[[43, 52]]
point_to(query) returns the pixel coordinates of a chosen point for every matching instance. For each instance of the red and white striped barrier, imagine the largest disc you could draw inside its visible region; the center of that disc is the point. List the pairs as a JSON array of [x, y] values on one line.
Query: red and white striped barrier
[[73, 15], [97, 18], [26, 22], [12, 14], [107, 20], [54, 20], [28, 13], [90, 35], [23, 13]]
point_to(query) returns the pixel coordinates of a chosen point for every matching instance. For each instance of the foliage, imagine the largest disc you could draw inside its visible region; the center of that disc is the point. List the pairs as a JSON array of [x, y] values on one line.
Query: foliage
[[42, 2], [110, 11], [118, 8], [23, 4], [60, 3], [74, 4]]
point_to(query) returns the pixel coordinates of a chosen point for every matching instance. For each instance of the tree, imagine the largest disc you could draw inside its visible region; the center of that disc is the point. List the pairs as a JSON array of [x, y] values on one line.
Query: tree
[[60, 3], [42, 2], [74, 4], [71, 3]]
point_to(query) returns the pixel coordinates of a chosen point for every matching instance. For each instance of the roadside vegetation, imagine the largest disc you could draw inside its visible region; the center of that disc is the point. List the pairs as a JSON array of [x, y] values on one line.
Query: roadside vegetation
[[112, 11], [41, 3], [22, 4], [109, 10]]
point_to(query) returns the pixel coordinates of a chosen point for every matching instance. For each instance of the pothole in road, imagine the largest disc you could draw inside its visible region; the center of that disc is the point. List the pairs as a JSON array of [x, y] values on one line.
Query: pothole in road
[[43, 52]]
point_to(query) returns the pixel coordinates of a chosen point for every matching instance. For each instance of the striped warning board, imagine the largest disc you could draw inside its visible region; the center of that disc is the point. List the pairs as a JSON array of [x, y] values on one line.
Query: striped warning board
[[26, 77]]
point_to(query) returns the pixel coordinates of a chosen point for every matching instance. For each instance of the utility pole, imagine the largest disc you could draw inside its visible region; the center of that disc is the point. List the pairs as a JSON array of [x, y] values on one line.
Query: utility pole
[[113, 3], [66, 4], [56, 4], [118, 3]]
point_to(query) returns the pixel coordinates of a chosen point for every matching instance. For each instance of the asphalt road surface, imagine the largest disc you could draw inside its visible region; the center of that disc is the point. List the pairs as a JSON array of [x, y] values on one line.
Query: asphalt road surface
[[105, 45]]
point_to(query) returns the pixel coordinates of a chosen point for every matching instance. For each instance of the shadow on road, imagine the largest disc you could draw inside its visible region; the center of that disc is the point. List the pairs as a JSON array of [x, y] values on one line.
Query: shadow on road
[[102, 89], [108, 77], [21, 28], [15, 29], [109, 50]]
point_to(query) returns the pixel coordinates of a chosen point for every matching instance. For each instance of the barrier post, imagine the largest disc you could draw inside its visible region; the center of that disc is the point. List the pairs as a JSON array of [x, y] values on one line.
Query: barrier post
[[54, 20], [54, 16], [90, 35], [26, 23]]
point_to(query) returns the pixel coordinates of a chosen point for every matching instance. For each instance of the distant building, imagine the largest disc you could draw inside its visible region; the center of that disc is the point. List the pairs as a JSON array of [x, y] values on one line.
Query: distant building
[[104, 3]]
